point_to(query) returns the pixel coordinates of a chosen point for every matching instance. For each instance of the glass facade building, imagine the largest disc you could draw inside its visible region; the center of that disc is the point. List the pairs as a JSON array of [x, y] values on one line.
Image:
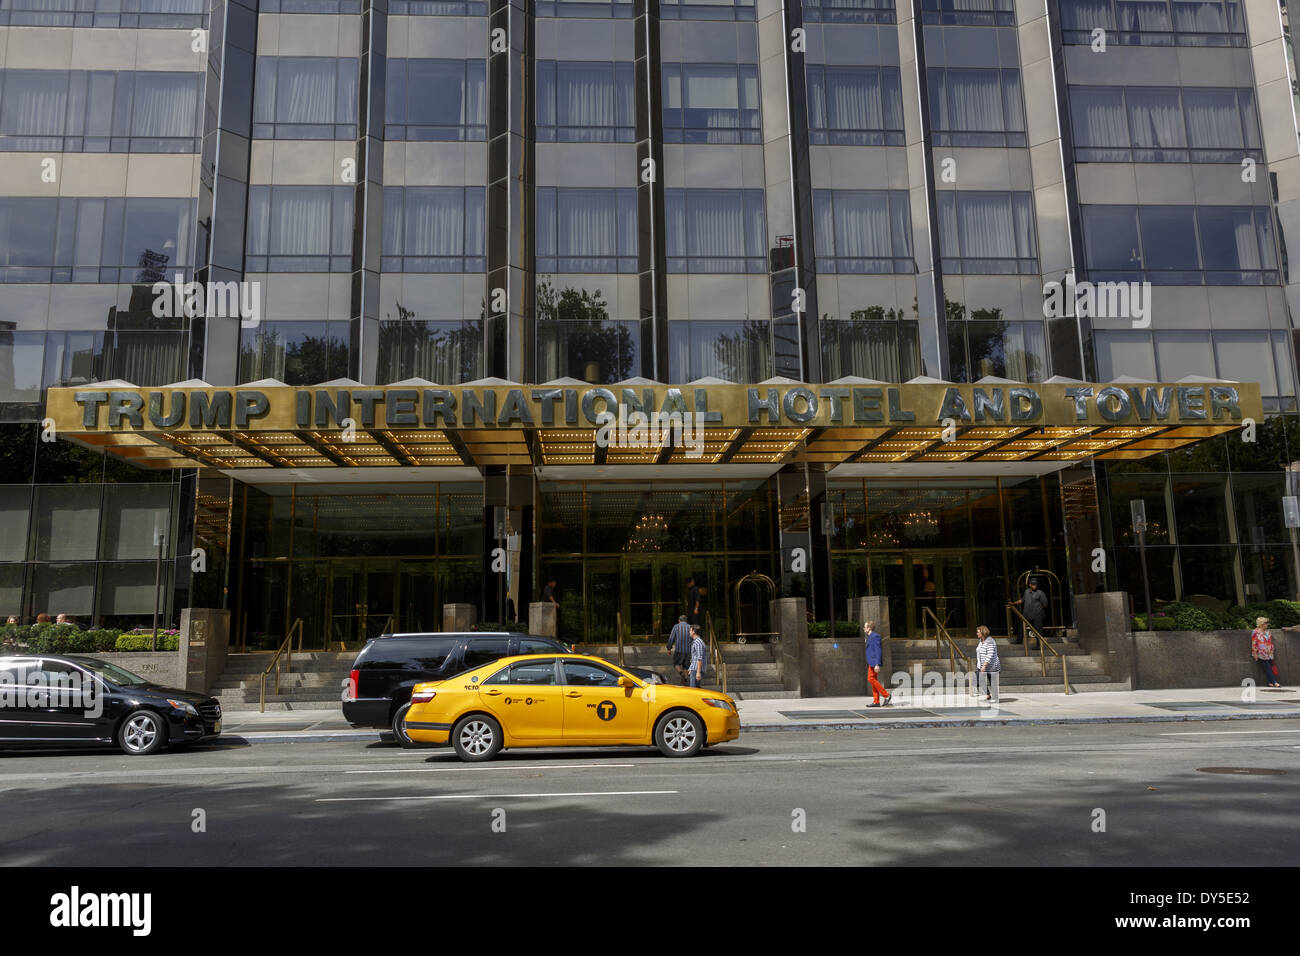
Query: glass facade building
[[458, 193]]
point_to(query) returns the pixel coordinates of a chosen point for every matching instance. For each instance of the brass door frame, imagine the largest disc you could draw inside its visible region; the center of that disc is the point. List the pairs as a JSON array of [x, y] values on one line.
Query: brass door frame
[[655, 564], [942, 607]]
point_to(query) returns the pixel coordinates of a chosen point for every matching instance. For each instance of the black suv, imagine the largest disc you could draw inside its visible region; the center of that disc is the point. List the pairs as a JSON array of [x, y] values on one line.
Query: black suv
[[378, 690]]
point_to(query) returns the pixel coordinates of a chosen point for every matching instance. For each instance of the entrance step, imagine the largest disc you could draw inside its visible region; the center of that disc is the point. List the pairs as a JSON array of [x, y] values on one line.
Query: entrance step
[[753, 671], [315, 683]]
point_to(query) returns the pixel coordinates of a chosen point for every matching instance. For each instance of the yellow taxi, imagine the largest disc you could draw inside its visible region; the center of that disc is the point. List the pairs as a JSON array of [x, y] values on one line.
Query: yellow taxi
[[565, 700]]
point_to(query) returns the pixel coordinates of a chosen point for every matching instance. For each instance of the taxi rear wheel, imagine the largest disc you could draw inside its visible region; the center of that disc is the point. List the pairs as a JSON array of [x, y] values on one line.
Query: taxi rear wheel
[[476, 738], [679, 734]]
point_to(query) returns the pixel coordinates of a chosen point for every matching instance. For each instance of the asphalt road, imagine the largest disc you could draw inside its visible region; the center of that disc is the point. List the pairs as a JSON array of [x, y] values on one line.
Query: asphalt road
[[937, 797]]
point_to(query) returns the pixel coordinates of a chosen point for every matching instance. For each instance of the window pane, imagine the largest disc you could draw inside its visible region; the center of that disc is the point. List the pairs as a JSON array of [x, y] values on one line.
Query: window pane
[[1125, 353], [131, 515], [1183, 353], [67, 522], [1169, 237]]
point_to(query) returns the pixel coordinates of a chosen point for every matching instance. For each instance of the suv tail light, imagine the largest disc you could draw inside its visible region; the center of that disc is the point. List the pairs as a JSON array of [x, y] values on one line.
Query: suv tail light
[[351, 693]]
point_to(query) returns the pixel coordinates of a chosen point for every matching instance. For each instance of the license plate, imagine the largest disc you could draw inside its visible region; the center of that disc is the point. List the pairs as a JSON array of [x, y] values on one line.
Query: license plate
[[217, 728]]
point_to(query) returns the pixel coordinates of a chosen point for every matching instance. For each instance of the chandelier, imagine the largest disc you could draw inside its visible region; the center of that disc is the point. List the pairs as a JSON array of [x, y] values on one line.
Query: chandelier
[[922, 524], [649, 534]]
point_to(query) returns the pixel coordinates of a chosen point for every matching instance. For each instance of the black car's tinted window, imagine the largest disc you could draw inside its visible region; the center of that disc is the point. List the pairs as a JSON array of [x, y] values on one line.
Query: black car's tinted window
[[533, 673], [588, 675], [534, 646], [485, 650], [423, 654]]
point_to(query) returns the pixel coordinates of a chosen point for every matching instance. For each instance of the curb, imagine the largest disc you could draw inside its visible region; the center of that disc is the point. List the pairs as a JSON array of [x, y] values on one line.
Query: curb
[[376, 736]]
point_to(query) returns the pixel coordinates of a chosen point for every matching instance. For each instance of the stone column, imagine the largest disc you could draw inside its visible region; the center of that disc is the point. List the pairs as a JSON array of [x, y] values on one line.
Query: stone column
[[790, 620], [459, 617], [1104, 633], [543, 619]]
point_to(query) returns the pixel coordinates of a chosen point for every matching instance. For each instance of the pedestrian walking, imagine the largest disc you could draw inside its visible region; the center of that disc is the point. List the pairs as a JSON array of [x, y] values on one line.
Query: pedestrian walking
[[692, 601], [1035, 603], [698, 653], [875, 658], [679, 646], [1264, 651], [986, 660]]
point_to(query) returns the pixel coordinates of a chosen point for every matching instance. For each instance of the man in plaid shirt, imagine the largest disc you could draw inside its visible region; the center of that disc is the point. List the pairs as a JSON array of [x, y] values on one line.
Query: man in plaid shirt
[[698, 652]]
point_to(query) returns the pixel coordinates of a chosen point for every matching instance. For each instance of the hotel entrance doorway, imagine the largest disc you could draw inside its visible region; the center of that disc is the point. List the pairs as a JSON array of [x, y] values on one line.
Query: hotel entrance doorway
[[653, 595], [942, 582]]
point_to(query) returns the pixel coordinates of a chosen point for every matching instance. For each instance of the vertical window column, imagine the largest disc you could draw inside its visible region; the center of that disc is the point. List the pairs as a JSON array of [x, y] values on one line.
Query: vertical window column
[[796, 336], [511, 132], [651, 237], [368, 218], [223, 184]]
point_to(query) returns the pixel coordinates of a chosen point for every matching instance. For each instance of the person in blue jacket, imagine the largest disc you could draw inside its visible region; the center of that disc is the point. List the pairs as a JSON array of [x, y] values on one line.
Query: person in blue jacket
[[875, 658]]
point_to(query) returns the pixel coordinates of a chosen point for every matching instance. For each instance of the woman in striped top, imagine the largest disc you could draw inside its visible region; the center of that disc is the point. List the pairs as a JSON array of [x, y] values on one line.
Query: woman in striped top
[[986, 659]]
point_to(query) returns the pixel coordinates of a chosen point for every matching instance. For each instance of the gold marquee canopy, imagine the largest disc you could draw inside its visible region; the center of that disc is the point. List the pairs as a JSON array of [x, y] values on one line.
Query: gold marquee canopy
[[347, 425]]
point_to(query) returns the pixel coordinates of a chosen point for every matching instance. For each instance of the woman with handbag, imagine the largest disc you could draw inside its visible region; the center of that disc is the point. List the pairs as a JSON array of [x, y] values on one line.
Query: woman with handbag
[[1263, 650]]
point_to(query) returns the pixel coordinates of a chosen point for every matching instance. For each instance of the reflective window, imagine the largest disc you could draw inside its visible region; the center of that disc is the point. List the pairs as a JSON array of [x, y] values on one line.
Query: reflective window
[[987, 233], [736, 351], [1014, 350], [976, 107], [585, 102], [101, 111], [300, 229], [305, 97], [862, 231], [1154, 22], [309, 6], [970, 12], [442, 352], [621, 9], [94, 240], [457, 112], [577, 338], [582, 674], [706, 9], [869, 345], [433, 229], [710, 103], [536, 673], [1132, 124], [849, 11], [438, 8], [854, 106], [586, 230], [1180, 245], [296, 353], [715, 230], [153, 14]]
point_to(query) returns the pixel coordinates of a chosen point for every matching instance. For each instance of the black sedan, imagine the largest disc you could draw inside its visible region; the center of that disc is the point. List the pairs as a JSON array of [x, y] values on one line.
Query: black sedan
[[51, 700]]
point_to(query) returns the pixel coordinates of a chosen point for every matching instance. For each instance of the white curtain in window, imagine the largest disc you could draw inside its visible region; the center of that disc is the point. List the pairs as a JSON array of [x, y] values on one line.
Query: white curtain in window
[[165, 105], [586, 222], [33, 103], [1183, 353], [146, 358], [1156, 119], [1213, 119], [1086, 14], [861, 226], [585, 95], [974, 100], [985, 226], [1228, 238], [300, 221], [1013, 101], [1125, 353], [305, 89], [1144, 16], [1098, 118], [435, 221], [867, 349], [705, 223], [1198, 16]]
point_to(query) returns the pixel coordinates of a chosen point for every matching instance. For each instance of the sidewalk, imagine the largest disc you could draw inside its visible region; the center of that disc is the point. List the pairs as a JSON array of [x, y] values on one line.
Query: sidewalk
[[848, 713]]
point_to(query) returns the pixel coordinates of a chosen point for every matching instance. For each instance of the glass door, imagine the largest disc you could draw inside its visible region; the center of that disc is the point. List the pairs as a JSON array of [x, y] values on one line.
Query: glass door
[[653, 595], [885, 577], [940, 584]]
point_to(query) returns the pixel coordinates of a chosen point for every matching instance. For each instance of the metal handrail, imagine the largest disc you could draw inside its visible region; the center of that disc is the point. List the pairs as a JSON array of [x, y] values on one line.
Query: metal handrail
[[941, 632], [715, 653], [1043, 646], [619, 619], [285, 645]]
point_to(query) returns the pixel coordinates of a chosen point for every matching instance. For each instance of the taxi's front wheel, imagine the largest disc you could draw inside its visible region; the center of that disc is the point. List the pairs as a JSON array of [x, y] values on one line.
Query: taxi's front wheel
[[679, 734], [476, 738]]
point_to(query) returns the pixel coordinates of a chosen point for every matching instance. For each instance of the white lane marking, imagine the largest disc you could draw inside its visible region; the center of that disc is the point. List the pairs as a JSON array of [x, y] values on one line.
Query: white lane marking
[[457, 767], [502, 796], [1229, 733]]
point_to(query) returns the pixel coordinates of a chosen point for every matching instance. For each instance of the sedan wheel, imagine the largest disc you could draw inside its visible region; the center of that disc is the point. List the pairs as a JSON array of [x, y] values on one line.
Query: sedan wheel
[[680, 734], [476, 738], [141, 733]]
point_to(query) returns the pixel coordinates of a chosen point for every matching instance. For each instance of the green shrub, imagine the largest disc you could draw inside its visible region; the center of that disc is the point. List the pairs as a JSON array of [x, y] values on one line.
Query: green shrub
[[842, 629], [1160, 622], [1192, 617], [143, 642]]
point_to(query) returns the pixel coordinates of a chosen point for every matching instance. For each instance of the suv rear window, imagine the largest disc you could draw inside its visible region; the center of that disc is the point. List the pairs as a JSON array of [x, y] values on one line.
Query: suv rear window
[[421, 653]]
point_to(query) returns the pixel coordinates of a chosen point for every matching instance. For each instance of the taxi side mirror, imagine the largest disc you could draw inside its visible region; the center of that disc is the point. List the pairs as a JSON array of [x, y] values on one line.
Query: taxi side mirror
[[626, 682]]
